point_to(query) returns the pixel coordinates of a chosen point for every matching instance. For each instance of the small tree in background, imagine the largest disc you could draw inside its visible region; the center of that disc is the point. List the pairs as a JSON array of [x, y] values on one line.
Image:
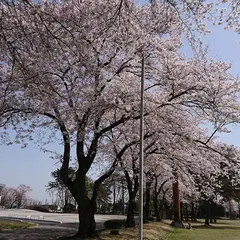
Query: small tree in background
[[15, 197]]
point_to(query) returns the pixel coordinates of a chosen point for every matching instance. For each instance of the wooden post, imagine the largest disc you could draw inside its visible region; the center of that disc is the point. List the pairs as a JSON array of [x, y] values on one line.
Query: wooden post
[[177, 222], [176, 202]]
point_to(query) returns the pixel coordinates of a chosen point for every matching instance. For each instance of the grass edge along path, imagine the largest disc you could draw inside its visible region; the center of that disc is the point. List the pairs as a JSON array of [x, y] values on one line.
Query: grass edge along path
[[10, 225]]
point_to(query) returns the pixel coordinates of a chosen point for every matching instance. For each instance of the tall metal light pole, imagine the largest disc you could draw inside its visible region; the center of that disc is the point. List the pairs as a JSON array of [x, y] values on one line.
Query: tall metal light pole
[[140, 236]]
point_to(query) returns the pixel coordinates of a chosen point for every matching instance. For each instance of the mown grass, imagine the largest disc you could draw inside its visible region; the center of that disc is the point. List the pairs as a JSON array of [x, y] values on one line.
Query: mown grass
[[223, 230], [7, 224], [151, 231]]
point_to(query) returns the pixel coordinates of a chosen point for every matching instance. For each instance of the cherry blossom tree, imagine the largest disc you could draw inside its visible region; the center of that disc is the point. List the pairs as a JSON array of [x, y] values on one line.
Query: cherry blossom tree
[[75, 68], [73, 86], [21, 194], [15, 197]]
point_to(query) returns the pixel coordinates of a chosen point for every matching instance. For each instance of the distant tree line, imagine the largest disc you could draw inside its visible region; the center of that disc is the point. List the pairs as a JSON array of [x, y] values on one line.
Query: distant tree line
[[15, 197], [113, 198]]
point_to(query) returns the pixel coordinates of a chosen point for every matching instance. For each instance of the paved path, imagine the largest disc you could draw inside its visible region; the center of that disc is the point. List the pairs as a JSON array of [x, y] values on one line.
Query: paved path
[[58, 217]]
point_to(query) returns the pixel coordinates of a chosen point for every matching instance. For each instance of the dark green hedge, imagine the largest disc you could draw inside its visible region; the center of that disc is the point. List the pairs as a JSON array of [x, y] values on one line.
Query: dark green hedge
[[114, 224]]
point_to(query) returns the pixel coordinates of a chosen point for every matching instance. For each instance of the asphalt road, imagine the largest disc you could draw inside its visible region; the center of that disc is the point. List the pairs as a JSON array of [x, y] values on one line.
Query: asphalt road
[[49, 225], [57, 218]]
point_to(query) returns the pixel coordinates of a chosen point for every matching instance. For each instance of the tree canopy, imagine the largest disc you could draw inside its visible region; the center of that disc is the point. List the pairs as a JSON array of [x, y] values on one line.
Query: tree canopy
[[72, 69]]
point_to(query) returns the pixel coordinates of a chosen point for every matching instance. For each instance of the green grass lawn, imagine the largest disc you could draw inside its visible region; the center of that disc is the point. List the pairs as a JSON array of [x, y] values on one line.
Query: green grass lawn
[[223, 230], [152, 231], [6, 224]]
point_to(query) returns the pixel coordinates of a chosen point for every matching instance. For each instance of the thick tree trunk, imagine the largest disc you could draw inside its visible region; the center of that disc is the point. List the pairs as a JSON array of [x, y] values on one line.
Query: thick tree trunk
[[156, 208], [187, 213], [181, 211], [230, 209], [176, 202], [130, 213], [155, 202], [86, 209], [147, 203], [193, 212], [207, 213], [214, 212], [123, 200], [210, 212], [239, 209], [158, 216], [177, 221], [132, 186], [87, 224], [114, 198], [207, 220]]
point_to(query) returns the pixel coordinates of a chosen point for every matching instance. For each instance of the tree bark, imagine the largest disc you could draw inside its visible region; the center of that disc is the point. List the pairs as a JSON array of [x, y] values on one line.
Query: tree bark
[[114, 198], [239, 209], [187, 213], [207, 220], [214, 212], [230, 209], [207, 213], [176, 202], [211, 212], [193, 212], [123, 200], [132, 186], [87, 224], [86, 208], [181, 211], [156, 208], [130, 222], [132, 192], [147, 203], [157, 191]]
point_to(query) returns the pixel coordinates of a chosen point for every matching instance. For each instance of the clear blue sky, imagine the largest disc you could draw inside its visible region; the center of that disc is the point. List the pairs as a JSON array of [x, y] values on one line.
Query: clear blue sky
[[31, 167]]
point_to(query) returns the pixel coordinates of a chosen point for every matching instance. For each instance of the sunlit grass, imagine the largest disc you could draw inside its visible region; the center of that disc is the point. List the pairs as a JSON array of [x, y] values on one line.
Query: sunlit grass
[[152, 231], [7, 224], [223, 230]]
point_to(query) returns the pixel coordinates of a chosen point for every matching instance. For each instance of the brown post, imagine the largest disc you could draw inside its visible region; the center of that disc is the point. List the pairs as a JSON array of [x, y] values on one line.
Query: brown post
[[176, 202], [177, 222]]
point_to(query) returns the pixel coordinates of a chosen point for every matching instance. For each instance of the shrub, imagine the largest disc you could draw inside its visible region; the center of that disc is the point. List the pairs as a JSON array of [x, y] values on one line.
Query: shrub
[[152, 219], [69, 208], [114, 224], [38, 208]]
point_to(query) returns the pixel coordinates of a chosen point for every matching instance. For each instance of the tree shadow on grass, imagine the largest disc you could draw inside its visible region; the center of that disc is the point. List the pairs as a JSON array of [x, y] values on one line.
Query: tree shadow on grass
[[120, 236], [38, 233], [228, 222], [70, 225], [217, 227], [163, 222]]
